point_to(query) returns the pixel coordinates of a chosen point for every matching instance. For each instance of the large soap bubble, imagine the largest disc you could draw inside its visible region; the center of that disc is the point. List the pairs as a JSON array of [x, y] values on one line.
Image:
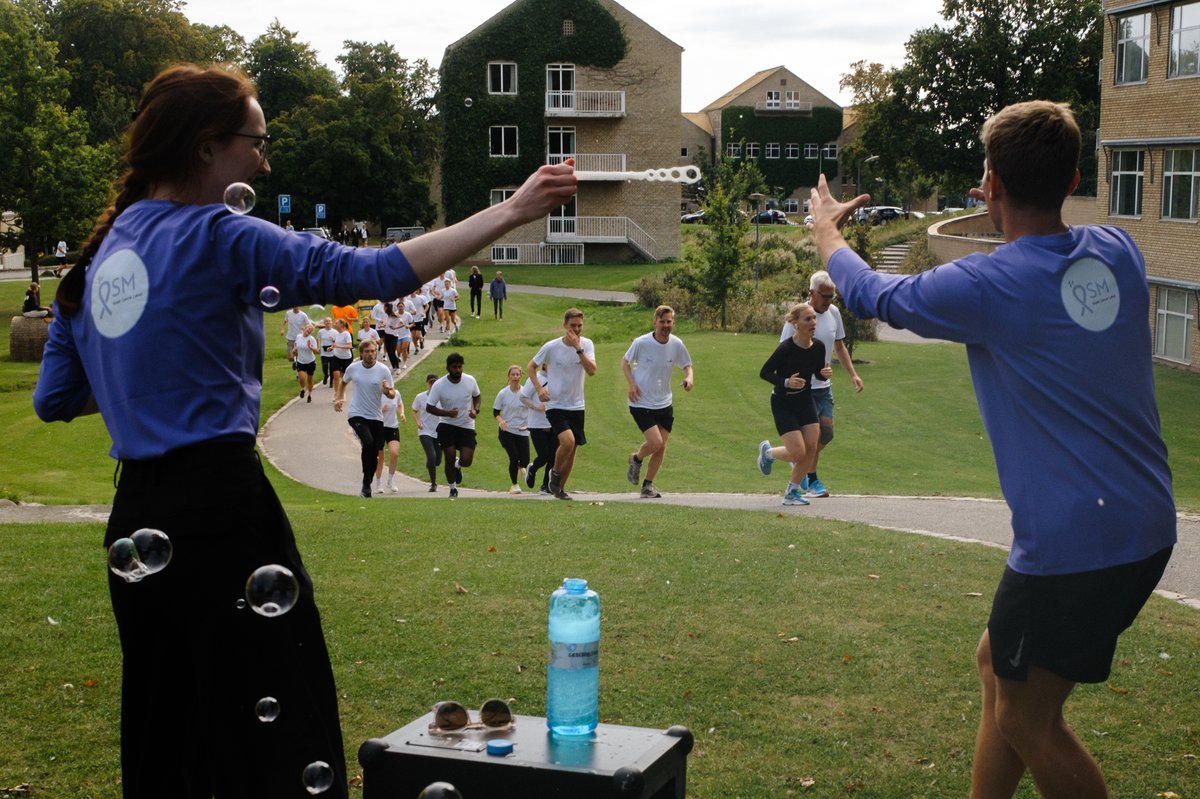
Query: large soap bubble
[[269, 296], [317, 777], [145, 552], [240, 198], [272, 590]]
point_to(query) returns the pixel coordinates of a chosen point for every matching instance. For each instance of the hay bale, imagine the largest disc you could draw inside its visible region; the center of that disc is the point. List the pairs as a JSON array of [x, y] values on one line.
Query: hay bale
[[28, 338]]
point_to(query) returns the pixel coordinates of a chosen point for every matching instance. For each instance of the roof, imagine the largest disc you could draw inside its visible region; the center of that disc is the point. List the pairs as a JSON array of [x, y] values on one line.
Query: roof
[[740, 89], [700, 120]]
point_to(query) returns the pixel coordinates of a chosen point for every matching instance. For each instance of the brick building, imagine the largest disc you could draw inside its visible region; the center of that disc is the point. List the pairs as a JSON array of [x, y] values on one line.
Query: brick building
[[1149, 167], [547, 80]]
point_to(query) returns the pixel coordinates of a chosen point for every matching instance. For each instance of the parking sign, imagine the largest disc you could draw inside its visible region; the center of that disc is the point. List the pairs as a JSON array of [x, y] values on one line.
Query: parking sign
[[320, 210], [285, 203]]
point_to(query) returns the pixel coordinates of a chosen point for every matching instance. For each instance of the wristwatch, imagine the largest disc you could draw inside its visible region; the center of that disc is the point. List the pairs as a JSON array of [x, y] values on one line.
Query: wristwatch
[[579, 352]]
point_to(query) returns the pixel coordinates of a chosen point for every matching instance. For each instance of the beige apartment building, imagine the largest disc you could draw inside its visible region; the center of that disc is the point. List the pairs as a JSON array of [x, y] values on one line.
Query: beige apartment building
[[591, 82], [1149, 167]]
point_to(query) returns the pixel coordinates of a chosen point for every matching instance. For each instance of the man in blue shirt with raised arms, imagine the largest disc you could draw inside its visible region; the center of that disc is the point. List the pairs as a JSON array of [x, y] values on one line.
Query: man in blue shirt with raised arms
[[1050, 320]]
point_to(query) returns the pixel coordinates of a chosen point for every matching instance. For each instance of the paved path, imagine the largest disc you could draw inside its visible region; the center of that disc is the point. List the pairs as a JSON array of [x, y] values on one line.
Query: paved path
[[287, 441]]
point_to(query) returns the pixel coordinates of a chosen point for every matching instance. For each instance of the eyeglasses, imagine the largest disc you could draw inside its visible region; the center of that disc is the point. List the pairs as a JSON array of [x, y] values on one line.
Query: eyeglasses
[[262, 145], [451, 717]]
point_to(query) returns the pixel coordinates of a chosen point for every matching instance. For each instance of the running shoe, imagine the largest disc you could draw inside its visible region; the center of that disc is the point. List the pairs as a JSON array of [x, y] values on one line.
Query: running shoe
[[553, 481], [650, 492], [530, 478], [521, 475], [454, 493], [634, 472], [309, 398], [816, 489], [560, 494], [794, 497], [433, 488], [804, 485], [516, 489], [545, 490], [366, 491], [764, 457], [301, 393]]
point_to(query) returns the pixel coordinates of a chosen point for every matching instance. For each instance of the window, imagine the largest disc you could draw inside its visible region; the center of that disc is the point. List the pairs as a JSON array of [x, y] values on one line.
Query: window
[[791, 150], [502, 78], [793, 100], [505, 253], [683, 152], [772, 98], [811, 150], [1185, 41], [560, 86], [1181, 184], [772, 149], [568, 27], [791, 206], [1132, 40], [1127, 170], [752, 149], [560, 144], [500, 195], [733, 150], [1173, 328], [829, 152], [504, 141]]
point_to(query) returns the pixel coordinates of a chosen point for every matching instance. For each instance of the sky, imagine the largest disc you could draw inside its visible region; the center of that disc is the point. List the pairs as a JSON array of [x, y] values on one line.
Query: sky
[[724, 42]]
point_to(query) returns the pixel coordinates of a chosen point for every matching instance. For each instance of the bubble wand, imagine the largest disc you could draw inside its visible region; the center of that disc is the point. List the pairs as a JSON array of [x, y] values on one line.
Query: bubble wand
[[678, 174]]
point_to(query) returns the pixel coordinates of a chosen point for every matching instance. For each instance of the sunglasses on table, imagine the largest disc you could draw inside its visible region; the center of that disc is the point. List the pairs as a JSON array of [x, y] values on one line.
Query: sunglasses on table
[[452, 716]]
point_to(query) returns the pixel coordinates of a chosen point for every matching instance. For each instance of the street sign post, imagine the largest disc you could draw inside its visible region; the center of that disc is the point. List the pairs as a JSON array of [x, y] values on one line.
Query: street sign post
[[285, 207], [320, 213]]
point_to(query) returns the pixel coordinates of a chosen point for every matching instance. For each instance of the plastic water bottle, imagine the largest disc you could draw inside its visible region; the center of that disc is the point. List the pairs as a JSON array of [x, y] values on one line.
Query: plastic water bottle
[[573, 676]]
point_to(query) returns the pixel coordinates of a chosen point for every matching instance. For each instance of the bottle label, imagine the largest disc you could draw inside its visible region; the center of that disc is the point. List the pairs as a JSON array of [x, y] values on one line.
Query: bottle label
[[574, 656]]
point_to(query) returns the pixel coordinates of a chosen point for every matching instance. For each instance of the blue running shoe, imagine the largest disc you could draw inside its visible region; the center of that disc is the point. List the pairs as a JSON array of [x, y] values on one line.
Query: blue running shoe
[[804, 485], [764, 457], [815, 489], [794, 497]]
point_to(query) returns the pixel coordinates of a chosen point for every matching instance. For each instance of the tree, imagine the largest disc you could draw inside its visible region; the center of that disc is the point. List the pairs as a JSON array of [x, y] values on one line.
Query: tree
[[925, 117], [112, 49], [287, 72], [723, 261], [220, 44], [51, 178]]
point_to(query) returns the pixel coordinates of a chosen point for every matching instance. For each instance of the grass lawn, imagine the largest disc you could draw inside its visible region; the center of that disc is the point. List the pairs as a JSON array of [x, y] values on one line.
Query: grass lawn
[[795, 649]]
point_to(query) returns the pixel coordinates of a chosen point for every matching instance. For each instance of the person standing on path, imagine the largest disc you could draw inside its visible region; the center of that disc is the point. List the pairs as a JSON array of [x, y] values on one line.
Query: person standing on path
[[830, 332], [374, 381], [475, 283], [454, 399], [791, 369], [1051, 320], [648, 365], [569, 359], [510, 414], [498, 291], [427, 434], [184, 429]]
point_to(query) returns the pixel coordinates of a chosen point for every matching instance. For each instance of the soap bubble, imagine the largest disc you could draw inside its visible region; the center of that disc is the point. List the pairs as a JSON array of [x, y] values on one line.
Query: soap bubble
[[468, 102], [145, 552], [272, 590], [240, 198], [317, 777], [267, 709], [241, 604], [269, 296]]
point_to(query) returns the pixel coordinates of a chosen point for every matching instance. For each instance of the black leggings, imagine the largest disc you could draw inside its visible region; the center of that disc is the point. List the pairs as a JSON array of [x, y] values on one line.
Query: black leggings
[[545, 444], [498, 307], [370, 435], [389, 346], [477, 301], [433, 456], [517, 448], [326, 368]]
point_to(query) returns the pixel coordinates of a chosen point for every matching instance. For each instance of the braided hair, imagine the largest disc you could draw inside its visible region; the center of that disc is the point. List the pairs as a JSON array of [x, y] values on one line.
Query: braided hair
[[183, 107]]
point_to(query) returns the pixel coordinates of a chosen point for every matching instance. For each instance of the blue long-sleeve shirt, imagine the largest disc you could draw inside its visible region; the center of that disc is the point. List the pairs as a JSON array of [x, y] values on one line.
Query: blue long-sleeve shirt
[[170, 339], [1059, 347]]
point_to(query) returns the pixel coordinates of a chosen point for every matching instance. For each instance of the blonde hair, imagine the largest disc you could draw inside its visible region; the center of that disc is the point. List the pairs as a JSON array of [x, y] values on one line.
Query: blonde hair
[[793, 314]]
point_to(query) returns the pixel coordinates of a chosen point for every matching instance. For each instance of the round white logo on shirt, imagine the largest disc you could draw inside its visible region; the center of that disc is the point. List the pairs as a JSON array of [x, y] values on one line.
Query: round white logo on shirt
[[1090, 294], [120, 288]]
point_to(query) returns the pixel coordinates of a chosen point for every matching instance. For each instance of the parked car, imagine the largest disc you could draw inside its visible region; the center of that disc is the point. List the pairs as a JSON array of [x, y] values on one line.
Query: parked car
[[879, 214], [694, 218], [319, 232], [771, 216]]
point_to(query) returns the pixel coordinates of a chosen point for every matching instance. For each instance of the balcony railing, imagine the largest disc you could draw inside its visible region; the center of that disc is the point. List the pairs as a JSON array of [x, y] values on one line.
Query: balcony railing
[[593, 162], [601, 230], [585, 104]]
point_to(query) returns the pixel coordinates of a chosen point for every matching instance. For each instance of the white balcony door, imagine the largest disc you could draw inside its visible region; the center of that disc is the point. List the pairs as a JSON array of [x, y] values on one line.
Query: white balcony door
[[562, 219], [560, 85], [560, 144]]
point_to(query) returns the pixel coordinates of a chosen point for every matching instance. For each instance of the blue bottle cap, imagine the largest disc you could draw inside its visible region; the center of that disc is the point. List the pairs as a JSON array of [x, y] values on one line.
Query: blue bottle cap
[[499, 747], [574, 585]]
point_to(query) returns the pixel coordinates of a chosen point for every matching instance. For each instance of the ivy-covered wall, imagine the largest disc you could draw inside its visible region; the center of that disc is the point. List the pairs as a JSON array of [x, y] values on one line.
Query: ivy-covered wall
[[529, 33], [739, 123]]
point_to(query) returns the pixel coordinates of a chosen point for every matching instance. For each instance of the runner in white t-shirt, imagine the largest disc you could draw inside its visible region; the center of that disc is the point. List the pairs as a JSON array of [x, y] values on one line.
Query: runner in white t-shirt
[[450, 303], [454, 399], [569, 359], [648, 365], [325, 338], [511, 415], [427, 425], [373, 381], [306, 360], [389, 406]]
